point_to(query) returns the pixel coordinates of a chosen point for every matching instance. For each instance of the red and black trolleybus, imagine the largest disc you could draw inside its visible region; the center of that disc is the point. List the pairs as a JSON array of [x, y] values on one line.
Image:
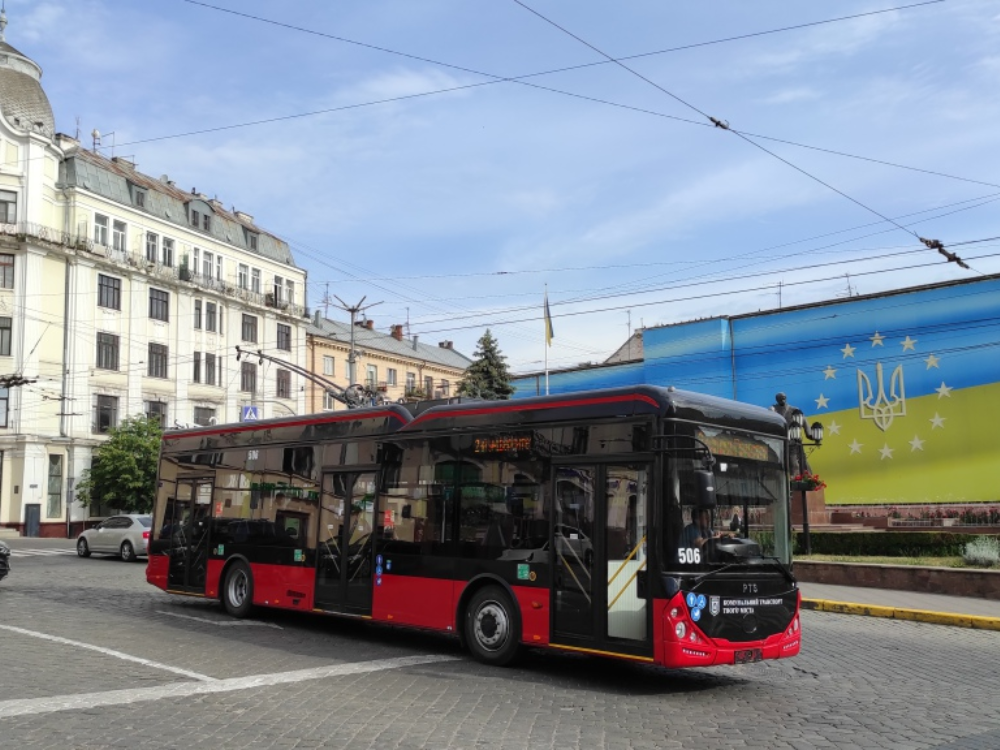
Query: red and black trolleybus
[[643, 523]]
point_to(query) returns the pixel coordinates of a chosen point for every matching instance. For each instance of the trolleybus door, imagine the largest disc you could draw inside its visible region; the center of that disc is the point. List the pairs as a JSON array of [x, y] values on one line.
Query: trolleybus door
[[185, 524], [346, 539], [599, 545]]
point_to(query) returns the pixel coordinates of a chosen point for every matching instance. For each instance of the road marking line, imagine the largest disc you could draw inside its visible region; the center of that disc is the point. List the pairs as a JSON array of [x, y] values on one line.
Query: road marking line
[[34, 552], [108, 652], [222, 623], [29, 706]]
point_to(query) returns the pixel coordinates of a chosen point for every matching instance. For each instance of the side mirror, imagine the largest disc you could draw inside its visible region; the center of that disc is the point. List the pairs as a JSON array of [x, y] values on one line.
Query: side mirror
[[734, 525], [706, 488]]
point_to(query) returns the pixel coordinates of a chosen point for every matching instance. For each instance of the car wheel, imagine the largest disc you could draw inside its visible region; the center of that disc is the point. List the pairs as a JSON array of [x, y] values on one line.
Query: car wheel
[[82, 548], [128, 551], [492, 625], [237, 591]]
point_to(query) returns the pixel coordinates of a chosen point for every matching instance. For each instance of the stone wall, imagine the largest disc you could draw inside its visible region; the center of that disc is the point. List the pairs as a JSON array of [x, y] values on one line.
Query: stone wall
[[981, 584]]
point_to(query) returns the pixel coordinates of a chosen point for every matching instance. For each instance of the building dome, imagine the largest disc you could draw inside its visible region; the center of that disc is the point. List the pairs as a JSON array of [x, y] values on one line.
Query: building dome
[[22, 100]]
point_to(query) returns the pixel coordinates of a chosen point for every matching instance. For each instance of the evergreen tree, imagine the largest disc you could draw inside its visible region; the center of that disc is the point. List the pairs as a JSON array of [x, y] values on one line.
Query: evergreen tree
[[487, 377], [122, 475]]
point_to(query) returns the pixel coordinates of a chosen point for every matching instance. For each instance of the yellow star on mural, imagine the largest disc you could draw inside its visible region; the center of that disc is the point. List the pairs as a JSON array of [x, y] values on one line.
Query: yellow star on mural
[[932, 361], [829, 373], [822, 401], [848, 351], [916, 444], [943, 391], [886, 452], [855, 446], [937, 421], [877, 339], [834, 428], [908, 343]]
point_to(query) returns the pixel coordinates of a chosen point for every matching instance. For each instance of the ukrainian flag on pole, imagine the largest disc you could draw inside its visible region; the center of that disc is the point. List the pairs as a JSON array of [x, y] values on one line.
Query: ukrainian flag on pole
[[548, 321]]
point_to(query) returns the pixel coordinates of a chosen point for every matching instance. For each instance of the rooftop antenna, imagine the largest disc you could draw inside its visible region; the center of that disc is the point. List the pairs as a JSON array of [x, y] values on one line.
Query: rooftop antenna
[[96, 135], [407, 322]]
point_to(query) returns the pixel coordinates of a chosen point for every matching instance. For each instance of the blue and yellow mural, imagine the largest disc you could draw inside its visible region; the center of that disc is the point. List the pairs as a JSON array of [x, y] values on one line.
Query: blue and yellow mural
[[907, 385]]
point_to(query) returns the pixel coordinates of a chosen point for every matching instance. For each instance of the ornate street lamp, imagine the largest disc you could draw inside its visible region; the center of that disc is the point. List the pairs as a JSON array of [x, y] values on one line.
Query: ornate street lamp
[[798, 432]]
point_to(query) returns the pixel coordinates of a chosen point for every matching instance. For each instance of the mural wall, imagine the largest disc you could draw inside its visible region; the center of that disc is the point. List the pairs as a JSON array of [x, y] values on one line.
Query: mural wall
[[907, 385]]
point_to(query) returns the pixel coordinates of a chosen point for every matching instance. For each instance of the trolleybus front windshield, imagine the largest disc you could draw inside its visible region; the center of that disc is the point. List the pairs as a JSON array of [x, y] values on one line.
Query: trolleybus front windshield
[[749, 520]]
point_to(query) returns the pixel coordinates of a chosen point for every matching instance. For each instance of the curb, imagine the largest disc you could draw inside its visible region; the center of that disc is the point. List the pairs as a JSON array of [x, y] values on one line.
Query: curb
[[914, 615]]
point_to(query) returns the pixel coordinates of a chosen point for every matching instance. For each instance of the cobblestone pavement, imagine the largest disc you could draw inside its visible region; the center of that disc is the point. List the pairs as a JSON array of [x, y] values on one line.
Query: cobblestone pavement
[[199, 680]]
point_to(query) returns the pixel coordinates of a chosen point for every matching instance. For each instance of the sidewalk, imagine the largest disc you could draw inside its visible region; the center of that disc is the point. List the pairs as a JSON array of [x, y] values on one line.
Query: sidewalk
[[983, 614]]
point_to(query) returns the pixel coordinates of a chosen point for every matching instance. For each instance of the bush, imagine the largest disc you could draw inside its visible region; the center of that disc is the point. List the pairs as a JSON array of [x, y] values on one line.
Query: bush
[[893, 544], [983, 550]]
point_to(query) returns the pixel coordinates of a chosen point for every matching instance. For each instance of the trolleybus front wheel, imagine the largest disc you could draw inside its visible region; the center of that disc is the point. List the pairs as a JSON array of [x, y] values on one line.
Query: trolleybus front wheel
[[237, 591], [492, 626]]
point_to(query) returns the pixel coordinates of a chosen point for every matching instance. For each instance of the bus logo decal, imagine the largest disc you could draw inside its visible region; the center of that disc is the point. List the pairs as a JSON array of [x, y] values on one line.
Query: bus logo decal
[[715, 605]]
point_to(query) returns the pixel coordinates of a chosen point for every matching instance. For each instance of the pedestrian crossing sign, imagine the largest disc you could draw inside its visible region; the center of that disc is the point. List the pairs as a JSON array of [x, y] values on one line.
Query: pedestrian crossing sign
[[250, 414]]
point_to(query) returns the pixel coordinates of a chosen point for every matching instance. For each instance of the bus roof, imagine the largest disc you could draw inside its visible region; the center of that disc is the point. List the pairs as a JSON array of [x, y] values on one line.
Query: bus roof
[[635, 401]]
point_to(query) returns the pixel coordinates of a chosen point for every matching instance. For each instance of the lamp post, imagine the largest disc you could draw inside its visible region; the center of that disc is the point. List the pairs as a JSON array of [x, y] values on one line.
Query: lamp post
[[798, 432]]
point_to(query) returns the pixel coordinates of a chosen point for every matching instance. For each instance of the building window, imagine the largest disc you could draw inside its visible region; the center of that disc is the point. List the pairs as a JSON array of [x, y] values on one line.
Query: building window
[[284, 337], [250, 328], [278, 289], [168, 252], [195, 218], [157, 410], [118, 236], [105, 414], [158, 356], [8, 207], [211, 320], [159, 305], [196, 268], [242, 276], [210, 370], [206, 222], [329, 402], [284, 384], [248, 377], [255, 280], [6, 332], [411, 381], [206, 265], [197, 367], [371, 376], [4, 404], [140, 198], [289, 291], [100, 230], [218, 268], [251, 239], [109, 292], [152, 246], [445, 388], [390, 376], [6, 271], [53, 508], [328, 366], [107, 351], [197, 314], [204, 416], [429, 387]]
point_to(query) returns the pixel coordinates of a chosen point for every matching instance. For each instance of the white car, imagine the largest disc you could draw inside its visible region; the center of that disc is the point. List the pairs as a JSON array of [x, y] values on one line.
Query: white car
[[124, 535]]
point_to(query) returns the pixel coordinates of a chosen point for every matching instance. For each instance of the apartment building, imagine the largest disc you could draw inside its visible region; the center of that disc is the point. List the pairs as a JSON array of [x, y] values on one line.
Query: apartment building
[[399, 368], [121, 294]]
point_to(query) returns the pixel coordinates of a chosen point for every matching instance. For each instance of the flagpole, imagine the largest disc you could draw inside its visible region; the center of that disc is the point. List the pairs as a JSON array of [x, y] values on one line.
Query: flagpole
[[547, 344]]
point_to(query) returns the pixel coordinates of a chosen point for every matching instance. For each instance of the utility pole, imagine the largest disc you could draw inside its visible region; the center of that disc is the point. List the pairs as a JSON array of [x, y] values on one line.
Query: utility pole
[[353, 310]]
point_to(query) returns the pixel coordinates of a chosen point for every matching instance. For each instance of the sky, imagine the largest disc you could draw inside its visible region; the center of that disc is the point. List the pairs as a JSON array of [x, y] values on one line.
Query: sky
[[385, 141]]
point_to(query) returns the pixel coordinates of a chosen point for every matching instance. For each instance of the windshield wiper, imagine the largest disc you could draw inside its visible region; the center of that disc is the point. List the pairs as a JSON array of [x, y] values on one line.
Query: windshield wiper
[[750, 561], [780, 565]]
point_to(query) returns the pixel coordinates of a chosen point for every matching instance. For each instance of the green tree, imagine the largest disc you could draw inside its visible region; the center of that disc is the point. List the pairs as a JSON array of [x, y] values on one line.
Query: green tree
[[122, 475], [487, 377]]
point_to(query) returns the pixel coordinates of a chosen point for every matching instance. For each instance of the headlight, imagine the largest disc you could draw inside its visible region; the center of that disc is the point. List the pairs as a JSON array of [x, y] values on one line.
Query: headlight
[[680, 629]]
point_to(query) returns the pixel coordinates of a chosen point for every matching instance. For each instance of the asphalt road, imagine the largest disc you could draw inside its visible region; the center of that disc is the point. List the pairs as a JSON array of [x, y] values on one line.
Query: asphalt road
[[93, 657]]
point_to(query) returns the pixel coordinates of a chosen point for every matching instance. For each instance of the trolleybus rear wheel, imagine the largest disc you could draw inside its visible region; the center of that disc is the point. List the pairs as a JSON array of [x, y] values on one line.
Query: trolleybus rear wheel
[[492, 626], [237, 591]]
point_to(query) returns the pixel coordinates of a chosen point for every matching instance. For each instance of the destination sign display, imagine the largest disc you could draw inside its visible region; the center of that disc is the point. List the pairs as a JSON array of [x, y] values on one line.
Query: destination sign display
[[736, 446], [502, 444]]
